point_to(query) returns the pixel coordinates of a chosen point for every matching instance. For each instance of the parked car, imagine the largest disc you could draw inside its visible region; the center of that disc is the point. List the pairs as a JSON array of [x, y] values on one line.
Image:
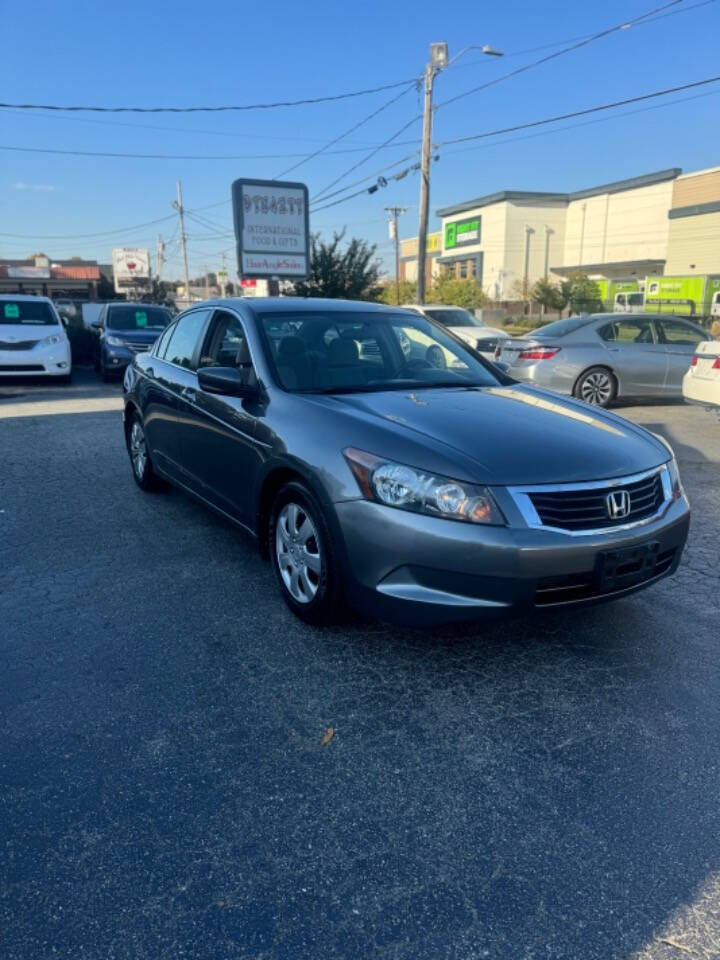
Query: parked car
[[33, 341], [701, 383], [600, 358], [123, 330], [410, 491], [463, 324]]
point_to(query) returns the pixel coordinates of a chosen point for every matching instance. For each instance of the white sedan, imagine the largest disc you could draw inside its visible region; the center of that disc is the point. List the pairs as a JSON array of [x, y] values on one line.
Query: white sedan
[[701, 384], [33, 341], [463, 324]]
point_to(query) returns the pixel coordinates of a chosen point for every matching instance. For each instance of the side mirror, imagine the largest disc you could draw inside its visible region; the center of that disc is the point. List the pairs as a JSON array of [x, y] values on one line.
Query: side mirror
[[96, 325], [502, 366], [225, 380]]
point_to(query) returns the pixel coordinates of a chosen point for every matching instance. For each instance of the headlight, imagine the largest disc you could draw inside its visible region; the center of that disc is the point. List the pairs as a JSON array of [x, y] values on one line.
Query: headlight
[[408, 488], [49, 341], [115, 341], [672, 468]]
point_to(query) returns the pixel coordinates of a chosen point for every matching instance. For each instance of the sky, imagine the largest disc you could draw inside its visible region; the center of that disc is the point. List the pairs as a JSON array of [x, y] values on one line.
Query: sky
[[144, 55]]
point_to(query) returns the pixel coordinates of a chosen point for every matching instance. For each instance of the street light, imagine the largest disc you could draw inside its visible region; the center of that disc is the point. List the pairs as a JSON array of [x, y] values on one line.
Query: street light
[[438, 61]]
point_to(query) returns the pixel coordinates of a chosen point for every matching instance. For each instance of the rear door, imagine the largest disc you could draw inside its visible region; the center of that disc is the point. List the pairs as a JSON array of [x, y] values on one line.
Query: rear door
[[169, 414], [680, 339], [636, 354], [221, 450]]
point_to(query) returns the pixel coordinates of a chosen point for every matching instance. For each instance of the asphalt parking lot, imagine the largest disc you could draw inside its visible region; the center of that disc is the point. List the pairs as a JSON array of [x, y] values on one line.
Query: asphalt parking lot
[[547, 788]]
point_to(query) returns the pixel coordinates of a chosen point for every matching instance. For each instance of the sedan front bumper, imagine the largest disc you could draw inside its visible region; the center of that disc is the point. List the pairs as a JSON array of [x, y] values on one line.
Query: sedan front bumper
[[420, 570]]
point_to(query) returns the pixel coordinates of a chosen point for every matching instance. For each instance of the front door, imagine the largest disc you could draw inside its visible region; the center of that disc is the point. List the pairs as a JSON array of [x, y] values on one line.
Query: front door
[[636, 355]]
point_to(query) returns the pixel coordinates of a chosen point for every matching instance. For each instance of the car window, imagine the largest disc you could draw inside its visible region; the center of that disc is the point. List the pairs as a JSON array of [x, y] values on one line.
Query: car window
[[137, 317], [27, 312], [225, 344], [635, 330], [161, 344], [351, 351], [184, 339], [675, 331], [558, 328]]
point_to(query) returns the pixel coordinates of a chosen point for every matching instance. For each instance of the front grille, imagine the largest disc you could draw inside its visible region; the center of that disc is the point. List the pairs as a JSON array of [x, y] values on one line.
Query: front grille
[[586, 509], [21, 368], [572, 587], [17, 344]]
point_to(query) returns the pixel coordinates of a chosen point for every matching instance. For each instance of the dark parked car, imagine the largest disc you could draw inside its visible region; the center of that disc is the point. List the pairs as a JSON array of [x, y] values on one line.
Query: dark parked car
[[380, 462], [123, 330]]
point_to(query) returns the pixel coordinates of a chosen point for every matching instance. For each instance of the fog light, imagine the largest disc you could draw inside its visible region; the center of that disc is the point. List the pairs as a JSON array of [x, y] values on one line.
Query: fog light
[[115, 360], [62, 365]]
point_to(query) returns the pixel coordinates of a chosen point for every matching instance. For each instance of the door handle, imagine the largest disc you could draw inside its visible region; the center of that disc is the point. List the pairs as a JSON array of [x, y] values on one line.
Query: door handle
[[188, 394]]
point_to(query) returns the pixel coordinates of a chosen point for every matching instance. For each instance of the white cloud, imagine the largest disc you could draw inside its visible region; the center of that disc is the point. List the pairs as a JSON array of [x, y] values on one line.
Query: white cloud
[[35, 187]]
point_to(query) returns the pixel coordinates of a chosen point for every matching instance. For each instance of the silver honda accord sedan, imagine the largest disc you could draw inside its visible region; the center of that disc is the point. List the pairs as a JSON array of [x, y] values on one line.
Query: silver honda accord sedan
[[382, 464], [606, 356]]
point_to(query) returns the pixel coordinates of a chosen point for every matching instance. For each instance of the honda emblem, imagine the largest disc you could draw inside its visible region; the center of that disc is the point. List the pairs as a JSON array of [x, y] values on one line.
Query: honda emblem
[[618, 504]]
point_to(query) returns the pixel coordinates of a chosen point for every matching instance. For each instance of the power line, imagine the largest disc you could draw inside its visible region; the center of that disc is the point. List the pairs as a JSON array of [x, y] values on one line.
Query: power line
[[83, 236], [347, 133], [216, 109], [587, 36], [581, 113], [624, 25], [185, 156], [321, 194]]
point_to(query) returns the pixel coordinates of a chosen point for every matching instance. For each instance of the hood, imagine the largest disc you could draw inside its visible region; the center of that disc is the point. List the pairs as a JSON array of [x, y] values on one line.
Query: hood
[[20, 332], [478, 333], [502, 435], [135, 336]]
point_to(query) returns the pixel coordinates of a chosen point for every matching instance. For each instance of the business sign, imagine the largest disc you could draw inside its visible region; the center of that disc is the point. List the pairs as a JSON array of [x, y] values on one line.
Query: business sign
[[272, 229], [460, 232], [131, 267], [28, 273]]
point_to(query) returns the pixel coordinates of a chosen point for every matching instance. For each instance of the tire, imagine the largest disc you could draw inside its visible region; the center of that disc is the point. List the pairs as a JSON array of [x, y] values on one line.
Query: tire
[[596, 386], [140, 462], [105, 373], [310, 587], [66, 380]]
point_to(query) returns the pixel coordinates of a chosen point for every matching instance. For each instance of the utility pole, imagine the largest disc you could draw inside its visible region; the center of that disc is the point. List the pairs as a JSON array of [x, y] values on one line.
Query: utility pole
[[160, 256], [178, 204], [222, 274], [438, 61], [395, 212], [207, 283], [430, 71]]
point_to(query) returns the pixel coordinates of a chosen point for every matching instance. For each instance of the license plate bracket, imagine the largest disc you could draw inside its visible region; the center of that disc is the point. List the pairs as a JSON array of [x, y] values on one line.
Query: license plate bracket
[[616, 569]]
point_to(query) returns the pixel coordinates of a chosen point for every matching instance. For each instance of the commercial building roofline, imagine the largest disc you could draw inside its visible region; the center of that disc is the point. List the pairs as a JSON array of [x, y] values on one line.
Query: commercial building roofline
[[617, 186]]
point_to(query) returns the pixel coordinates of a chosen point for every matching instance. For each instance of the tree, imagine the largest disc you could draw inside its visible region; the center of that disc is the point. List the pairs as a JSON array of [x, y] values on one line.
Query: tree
[[408, 292], [350, 273], [458, 293], [583, 294], [551, 296], [156, 292]]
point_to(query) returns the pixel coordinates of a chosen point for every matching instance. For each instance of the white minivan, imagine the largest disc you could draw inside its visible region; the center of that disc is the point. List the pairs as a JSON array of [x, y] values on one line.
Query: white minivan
[[33, 341]]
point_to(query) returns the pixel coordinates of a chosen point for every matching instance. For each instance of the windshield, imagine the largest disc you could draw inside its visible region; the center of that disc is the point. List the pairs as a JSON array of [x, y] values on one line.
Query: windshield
[[560, 327], [137, 318], [354, 351], [27, 312], [454, 318]]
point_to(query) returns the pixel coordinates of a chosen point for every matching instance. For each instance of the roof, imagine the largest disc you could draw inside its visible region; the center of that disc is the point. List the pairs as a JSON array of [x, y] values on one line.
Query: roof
[[524, 196], [641, 265], [298, 304], [58, 269]]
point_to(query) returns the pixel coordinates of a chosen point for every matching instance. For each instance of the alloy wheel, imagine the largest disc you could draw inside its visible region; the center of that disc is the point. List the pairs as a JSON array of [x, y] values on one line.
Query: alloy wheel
[[596, 388], [297, 549], [138, 449]]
